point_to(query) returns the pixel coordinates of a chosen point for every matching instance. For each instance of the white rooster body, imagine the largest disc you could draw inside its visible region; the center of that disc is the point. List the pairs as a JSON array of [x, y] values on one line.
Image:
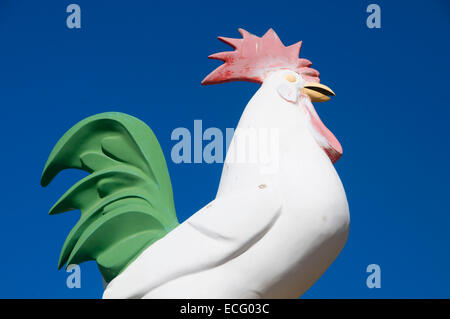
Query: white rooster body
[[266, 235]]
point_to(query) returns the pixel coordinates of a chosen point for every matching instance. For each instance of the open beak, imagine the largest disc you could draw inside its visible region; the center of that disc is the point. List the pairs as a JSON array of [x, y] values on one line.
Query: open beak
[[317, 92]]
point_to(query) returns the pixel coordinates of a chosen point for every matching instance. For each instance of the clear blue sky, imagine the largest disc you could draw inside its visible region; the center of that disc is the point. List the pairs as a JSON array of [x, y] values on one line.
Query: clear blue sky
[[147, 58]]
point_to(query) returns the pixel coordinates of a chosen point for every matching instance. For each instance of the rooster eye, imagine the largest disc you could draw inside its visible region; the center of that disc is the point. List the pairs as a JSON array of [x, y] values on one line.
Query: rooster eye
[[291, 78]]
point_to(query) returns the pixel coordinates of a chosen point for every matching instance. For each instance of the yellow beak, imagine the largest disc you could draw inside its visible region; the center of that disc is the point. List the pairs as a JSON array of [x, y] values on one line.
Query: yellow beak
[[317, 92]]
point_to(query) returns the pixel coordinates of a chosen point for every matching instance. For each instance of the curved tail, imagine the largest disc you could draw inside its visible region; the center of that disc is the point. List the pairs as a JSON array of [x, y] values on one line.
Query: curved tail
[[126, 202]]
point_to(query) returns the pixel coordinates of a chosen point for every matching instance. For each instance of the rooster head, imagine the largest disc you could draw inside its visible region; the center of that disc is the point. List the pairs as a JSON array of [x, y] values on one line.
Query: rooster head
[[258, 59]]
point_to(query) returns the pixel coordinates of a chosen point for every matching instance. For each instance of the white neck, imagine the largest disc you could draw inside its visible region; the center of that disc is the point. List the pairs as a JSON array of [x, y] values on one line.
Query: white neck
[[283, 142]]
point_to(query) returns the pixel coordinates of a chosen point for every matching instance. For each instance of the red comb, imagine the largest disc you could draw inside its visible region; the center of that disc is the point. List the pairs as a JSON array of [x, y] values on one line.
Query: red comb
[[254, 57]]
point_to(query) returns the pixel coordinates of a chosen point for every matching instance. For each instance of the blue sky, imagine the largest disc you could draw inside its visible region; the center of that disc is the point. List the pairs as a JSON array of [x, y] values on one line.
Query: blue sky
[[147, 58]]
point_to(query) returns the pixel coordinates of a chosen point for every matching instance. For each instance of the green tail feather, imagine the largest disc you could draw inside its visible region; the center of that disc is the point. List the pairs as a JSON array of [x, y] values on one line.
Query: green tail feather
[[126, 202]]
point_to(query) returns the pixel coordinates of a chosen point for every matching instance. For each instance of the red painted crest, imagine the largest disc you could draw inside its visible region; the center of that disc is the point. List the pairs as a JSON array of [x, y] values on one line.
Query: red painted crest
[[254, 57]]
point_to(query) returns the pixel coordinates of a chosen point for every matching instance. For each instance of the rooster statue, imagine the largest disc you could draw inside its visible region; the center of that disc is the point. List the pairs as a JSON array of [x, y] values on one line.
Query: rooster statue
[[267, 234]]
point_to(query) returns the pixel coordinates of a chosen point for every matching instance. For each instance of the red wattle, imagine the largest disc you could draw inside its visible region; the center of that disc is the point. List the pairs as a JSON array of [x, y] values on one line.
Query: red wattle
[[333, 147]]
